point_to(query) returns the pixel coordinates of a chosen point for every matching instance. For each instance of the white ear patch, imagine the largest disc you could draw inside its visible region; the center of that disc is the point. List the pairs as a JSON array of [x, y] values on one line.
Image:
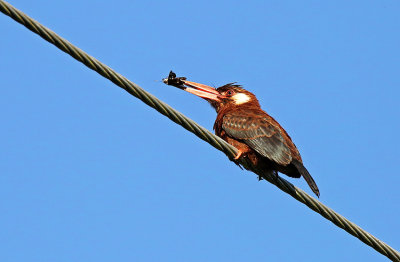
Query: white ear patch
[[241, 98]]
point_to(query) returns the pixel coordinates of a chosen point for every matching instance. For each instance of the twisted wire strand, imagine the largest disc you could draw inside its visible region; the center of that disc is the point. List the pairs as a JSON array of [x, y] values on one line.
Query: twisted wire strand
[[196, 129]]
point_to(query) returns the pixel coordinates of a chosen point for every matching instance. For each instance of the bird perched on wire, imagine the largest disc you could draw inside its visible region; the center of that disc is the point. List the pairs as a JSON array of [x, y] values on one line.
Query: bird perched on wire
[[242, 123]]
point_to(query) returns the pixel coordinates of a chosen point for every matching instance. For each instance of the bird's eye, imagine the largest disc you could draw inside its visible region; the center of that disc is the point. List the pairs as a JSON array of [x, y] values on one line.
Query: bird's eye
[[229, 93]]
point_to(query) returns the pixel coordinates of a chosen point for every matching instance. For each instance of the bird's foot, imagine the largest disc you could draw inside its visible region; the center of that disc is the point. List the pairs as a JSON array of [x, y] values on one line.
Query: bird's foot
[[276, 176], [236, 159], [239, 155]]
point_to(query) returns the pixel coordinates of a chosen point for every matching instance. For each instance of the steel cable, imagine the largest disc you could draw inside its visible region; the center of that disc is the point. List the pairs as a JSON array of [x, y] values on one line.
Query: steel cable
[[196, 129]]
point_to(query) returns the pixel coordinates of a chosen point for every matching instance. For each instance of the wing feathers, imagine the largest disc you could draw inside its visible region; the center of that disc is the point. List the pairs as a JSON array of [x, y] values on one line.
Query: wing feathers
[[260, 134]]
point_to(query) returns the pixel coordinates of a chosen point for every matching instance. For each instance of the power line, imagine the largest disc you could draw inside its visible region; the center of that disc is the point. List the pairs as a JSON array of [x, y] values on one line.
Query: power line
[[196, 129]]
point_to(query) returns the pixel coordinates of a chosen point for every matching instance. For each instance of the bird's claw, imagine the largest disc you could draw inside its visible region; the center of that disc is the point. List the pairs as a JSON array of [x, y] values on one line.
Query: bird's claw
[[239, 155]]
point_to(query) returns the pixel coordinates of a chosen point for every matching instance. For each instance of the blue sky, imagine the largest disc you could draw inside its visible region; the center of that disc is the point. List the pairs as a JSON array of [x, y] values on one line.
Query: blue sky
[[90, 173]]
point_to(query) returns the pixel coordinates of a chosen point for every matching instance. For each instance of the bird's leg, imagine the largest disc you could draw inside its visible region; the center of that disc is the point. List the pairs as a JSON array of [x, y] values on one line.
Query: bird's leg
[[242, 150]]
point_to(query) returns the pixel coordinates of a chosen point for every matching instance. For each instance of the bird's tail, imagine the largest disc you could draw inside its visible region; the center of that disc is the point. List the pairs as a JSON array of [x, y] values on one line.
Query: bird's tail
[[304, 173]]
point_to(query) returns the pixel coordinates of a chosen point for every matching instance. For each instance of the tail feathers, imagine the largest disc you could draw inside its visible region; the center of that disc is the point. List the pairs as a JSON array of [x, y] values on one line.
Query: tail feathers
[[304, 173]]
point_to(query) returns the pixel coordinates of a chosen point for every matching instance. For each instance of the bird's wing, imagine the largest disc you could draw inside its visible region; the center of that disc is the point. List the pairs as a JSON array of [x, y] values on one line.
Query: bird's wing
[[259, 133]]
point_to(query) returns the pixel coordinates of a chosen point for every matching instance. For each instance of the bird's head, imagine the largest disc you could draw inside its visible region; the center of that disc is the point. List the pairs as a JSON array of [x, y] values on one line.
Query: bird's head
[[232, 95], [226, 96]]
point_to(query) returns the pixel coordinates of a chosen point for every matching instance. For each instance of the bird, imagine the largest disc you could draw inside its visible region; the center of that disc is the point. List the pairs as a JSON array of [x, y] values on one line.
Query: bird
[[255, 134]]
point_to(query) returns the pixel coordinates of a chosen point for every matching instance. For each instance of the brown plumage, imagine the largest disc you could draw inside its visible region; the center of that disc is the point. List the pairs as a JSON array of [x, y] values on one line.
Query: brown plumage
[[242, 123]]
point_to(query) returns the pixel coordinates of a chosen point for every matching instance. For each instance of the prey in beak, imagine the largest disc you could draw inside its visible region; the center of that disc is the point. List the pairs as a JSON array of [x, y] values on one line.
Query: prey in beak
[[204, 91]]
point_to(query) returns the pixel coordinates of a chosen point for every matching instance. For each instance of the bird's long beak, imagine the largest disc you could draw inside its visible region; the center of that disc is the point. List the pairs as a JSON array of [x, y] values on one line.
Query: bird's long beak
[[203, 91]]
